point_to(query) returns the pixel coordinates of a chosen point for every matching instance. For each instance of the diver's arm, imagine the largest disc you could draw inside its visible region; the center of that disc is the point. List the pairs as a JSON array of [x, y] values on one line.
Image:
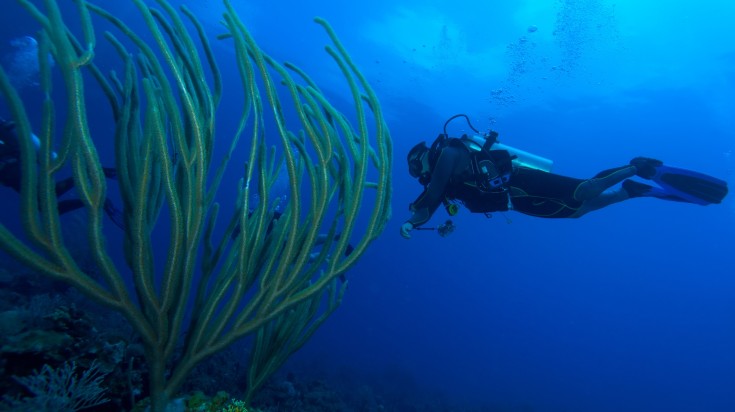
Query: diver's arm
[[427, 203]]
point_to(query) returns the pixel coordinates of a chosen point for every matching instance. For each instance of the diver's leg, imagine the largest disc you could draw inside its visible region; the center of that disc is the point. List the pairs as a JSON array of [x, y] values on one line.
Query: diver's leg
[[605, 199], [628, 190], [115, 214], [593, 188], [68, 205], [63, 186]]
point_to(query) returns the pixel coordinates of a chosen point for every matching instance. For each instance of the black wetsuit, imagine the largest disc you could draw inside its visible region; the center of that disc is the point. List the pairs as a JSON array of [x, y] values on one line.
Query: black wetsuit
[[529, 191], [10, 175], [9, 156]]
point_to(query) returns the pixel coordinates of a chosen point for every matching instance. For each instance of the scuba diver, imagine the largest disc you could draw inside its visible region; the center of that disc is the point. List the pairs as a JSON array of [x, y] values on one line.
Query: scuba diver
[[10, 174], [486, 176]]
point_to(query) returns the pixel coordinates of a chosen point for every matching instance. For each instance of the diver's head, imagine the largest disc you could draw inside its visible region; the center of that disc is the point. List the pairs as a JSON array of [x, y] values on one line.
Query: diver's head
[[418, 162]]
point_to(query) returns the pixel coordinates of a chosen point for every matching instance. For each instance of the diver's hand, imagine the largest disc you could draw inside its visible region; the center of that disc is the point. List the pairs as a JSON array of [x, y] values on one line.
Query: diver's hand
[[405, 229]]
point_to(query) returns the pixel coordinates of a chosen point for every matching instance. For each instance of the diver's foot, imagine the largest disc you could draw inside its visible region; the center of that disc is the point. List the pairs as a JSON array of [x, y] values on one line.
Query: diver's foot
[[636, 189], [646, 167]]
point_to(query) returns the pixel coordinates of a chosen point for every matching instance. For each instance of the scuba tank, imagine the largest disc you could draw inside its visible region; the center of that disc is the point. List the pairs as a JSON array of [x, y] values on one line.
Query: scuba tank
[[492, 168], [520, 157]]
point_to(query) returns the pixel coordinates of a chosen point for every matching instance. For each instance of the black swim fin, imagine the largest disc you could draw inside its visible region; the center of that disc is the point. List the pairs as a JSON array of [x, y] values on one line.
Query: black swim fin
[[686, 185], [694, 187]]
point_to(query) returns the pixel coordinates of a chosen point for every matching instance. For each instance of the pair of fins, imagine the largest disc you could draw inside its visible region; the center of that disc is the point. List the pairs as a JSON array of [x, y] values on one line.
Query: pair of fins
[[676, 184]]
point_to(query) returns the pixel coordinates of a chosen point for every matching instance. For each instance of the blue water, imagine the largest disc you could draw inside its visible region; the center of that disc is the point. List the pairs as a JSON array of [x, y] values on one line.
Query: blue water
[[629, 308]]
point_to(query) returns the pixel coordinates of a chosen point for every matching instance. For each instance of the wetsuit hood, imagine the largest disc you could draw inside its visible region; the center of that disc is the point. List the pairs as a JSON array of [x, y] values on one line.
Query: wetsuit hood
[[414, 159]]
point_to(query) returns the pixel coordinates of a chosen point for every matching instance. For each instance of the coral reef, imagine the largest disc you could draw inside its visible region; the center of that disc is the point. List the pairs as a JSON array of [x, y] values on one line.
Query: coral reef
[[271, 277]]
